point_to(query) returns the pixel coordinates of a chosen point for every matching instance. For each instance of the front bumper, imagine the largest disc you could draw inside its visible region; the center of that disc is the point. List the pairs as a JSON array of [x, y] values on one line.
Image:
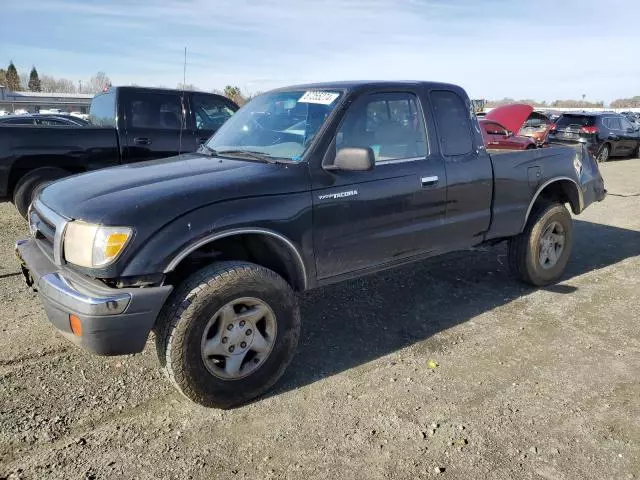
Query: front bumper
[[114, 321]]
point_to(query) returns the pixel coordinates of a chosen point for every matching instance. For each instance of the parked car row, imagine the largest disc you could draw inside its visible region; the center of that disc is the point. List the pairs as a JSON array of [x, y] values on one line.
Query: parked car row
[[604, 134], [515, 127], [519, 127]]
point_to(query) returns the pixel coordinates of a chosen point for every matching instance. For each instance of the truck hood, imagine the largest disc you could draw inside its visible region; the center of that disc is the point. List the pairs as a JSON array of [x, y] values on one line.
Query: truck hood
[[511, 116], [167, 188]]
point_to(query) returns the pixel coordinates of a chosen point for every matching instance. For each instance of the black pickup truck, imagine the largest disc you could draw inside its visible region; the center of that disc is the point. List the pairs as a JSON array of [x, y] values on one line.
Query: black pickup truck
[[303, 187], [128, 124]]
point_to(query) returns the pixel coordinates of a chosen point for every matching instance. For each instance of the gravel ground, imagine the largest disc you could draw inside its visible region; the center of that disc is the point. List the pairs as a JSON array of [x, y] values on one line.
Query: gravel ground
[[530, 383]]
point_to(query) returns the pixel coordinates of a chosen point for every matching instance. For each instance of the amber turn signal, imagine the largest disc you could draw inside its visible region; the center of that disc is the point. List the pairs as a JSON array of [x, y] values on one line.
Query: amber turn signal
[[76, 325]]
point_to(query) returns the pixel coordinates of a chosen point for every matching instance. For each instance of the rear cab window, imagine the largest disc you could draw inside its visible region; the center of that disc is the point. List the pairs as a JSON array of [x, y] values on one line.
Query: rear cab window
[[453, 123], [102, 112], [156, 111]]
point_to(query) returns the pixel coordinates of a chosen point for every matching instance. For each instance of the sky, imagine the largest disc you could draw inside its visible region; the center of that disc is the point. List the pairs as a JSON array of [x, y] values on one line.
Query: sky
[[537, 49]]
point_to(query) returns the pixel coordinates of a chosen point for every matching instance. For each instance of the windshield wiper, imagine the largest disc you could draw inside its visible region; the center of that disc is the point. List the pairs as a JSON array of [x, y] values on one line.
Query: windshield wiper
[[264, 157]]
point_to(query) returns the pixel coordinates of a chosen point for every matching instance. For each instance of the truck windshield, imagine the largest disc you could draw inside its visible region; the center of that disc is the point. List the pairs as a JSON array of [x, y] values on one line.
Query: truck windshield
[[280, 125]]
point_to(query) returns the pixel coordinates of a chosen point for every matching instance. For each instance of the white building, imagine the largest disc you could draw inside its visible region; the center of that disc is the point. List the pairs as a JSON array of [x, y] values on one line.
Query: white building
[[33, 102]]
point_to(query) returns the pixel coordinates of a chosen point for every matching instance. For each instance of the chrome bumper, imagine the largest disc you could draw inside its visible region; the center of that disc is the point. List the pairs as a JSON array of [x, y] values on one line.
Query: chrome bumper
[[65, 293]]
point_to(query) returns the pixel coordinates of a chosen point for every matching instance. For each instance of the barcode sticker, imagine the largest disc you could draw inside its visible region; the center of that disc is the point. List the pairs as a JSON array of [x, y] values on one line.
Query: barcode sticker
[[323, 98]]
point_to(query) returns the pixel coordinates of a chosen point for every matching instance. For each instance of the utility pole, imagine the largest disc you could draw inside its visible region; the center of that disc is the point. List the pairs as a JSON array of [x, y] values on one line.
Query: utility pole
[[79, 86]]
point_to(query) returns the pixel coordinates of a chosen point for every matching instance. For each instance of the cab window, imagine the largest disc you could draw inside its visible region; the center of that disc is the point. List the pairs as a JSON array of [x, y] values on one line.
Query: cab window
[[210, 112], [452, 120], [391, 124]]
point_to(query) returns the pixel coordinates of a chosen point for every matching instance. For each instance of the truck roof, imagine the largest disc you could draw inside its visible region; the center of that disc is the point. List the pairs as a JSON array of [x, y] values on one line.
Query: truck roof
[[368, 84], [154, 89]]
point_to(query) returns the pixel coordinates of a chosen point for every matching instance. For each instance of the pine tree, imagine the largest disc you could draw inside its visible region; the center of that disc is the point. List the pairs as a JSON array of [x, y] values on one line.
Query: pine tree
[[34, 81], [13, 79]]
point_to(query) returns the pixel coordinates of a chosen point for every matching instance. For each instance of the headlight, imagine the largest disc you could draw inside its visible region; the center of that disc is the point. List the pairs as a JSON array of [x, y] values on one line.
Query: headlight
[[93, 246]]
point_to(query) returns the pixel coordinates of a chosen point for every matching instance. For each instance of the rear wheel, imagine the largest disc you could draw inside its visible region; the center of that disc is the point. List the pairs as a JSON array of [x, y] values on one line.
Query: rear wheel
[[32, 183], [603, 153], [227, 333], [539, 255]]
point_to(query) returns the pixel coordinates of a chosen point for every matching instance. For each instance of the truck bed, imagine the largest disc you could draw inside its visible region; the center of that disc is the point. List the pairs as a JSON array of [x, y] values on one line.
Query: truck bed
[[519, 174], [73, 148]]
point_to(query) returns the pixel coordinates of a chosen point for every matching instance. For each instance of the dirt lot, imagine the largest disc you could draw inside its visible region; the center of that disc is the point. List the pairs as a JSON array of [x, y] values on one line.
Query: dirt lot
[[530, 383]]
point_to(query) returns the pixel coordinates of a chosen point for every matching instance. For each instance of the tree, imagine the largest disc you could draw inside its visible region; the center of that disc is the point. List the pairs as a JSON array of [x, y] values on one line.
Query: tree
[[633, 102], [13, 79], [64, 85], [508, 101], [3, 77], [576, 104], [235, 94], [34, 81], [98, 83], [48, 83]]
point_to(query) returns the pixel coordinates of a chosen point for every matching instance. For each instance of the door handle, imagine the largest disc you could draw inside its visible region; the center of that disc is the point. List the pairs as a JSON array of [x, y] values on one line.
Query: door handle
[[141, 141], [429, 181]]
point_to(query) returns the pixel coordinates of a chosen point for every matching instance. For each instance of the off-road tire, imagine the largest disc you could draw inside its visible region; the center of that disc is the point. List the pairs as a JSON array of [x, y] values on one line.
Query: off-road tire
[[524, 249], [34, 181], [182, 322]]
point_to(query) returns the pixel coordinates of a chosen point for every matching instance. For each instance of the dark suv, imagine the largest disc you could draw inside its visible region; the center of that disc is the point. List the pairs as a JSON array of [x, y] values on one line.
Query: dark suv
[[605, 134]]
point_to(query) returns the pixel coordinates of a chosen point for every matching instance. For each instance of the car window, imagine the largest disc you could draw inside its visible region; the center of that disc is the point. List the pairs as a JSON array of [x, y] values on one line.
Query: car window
[[155, 110], [391, 124], [614, 123], [626, 124], [452, 119], [51, 121], [575, 121], [210, 112], [494, 129], [103, 110], [19, 121]]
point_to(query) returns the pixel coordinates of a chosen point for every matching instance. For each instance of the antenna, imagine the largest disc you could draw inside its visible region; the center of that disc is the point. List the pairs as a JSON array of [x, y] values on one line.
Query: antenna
[[183, 113]]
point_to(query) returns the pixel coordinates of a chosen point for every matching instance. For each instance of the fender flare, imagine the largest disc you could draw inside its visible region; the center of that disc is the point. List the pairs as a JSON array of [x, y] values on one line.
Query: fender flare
[[175, 261], [545, 185]]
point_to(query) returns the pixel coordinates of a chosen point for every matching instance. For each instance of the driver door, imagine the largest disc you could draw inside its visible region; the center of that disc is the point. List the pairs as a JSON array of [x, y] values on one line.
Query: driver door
[[368, 219]]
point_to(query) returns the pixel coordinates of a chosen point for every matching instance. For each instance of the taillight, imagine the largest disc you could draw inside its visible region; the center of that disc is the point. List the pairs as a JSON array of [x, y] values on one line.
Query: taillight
[[553, 127], [592, 129]]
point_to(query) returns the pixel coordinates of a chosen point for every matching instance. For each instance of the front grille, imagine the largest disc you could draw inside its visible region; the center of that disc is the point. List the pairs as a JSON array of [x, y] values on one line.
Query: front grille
[[41, 229], [47, 227]]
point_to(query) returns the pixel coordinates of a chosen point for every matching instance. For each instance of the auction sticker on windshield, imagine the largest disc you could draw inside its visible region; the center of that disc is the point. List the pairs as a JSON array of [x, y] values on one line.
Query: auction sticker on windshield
[[323, 98]]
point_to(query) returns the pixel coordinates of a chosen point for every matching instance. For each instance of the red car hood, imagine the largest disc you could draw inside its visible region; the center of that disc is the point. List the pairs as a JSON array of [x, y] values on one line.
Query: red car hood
[[511, 116]]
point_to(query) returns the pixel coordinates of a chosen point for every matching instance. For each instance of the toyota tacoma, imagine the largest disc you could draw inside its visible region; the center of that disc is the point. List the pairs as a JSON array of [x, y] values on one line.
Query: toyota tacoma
[[303, 187]]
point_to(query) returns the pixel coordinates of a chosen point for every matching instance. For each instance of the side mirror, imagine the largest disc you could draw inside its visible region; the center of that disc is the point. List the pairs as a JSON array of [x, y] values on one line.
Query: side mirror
[[354, 159], [509, 133], [631, 130]]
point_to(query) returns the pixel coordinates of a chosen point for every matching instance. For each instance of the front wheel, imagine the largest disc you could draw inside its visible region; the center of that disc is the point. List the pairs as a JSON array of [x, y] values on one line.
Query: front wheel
[[539, 255], [227, 333], [32, 183]]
